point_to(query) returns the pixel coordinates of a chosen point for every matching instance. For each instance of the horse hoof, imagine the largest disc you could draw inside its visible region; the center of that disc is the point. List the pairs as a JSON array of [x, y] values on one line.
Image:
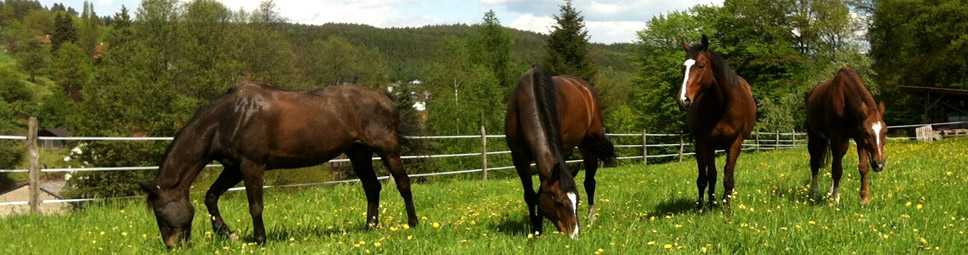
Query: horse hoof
[[592, 216]]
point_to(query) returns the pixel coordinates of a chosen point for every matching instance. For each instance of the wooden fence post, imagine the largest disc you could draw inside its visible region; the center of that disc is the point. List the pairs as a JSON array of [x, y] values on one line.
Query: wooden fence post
[[484, 152], [681, 145], [757, 140], [34, 167], [777, 146], [645, 150]]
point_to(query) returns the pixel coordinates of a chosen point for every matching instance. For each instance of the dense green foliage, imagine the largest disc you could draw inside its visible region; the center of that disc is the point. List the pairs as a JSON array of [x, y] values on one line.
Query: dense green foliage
[[918, 43], [917, 205]]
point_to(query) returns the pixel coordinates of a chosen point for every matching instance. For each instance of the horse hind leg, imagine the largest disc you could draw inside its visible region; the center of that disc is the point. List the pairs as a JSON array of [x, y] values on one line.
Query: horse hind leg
[[227, 179], [591, 168], [391, 159], [360, 157]]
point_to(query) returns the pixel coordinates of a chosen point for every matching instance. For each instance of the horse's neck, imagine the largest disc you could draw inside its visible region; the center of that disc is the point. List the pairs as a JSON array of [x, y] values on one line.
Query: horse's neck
[[186, 157]]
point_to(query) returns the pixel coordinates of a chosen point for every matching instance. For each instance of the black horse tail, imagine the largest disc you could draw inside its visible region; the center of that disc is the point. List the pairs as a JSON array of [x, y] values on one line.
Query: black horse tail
[[605, 150], [546, 100]]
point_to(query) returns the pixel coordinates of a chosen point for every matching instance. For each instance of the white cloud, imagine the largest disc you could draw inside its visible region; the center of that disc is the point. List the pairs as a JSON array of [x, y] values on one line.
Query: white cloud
[[614, 31], [532, 23]]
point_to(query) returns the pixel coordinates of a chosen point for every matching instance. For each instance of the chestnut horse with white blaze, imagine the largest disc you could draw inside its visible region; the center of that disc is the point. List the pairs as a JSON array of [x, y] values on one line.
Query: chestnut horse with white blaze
[[255, 127], [838, 110], [720, 113]]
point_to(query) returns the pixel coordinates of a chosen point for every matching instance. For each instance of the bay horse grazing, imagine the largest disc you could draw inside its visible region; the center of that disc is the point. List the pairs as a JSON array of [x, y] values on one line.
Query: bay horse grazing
[[838, 110], [720, 113], [546, 117], [256, 127]]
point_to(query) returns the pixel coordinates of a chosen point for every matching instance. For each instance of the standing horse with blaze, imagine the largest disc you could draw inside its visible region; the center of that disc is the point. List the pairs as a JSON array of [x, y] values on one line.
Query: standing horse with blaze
[[838, 110], [720, 112]]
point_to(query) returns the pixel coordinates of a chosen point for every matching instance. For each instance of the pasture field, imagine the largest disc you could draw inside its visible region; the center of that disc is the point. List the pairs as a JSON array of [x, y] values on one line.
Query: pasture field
[[917, 206]]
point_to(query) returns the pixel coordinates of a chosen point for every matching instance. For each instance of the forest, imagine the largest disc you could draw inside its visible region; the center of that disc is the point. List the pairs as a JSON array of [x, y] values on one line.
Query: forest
[[144, 71]]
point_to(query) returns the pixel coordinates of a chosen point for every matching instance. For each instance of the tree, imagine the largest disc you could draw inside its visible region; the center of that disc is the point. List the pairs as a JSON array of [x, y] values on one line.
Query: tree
[[33, 56], [338, 62], [70, 69], [567, 49], [63, 30], [491, 45], [88, 30], [38, 22]]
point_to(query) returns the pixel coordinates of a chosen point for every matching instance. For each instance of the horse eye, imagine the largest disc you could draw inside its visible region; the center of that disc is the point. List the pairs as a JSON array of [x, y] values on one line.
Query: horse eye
[[702, 66]]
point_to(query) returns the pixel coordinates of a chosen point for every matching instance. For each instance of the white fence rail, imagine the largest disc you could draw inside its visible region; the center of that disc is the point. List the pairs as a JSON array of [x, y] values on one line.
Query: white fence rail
[[757, 141]]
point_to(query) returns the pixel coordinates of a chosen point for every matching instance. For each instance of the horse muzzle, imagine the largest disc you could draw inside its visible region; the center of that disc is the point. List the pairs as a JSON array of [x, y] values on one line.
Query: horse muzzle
[[685, 102], [878, 166]]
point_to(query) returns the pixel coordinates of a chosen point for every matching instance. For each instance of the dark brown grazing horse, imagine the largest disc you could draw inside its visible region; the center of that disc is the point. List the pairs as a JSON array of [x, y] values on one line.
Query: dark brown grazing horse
[[720, 113], [839, 110], [547, 116], [256, 127]]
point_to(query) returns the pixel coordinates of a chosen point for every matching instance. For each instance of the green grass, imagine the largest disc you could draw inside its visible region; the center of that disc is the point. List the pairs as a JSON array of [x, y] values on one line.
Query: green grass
[[917, 205]]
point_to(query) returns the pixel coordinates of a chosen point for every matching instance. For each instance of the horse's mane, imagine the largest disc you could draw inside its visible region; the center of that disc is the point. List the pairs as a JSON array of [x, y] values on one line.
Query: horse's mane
[[546, 99], [719, 64]]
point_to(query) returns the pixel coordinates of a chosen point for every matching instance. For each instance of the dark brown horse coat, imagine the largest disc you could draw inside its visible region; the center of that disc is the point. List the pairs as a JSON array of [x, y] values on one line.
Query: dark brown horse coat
[[547, 116], [256, 127], [838, 110], [720, 113]]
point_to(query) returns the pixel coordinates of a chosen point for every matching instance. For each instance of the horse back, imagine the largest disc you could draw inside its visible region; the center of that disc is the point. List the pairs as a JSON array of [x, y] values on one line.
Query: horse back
[[305, 127], [579, 110], [835, 104]]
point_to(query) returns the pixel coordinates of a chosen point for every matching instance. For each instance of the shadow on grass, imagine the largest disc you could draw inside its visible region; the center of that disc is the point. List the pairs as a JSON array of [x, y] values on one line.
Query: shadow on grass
[[675, 206], [513, 226]]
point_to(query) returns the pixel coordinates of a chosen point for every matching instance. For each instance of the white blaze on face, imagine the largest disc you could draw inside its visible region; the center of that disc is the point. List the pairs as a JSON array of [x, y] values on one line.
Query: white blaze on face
[[574, 207], [685, 80], [877, 132]]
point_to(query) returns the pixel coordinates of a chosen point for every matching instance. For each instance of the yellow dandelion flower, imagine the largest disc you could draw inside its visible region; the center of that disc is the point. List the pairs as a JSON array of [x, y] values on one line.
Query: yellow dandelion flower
[[409, 237], [908, 203], [919, 206], [124, 233], [393, 229], [886, 236], [668, 246], [436, 225], [406, 226], [704, 249], [530, 235], [377, 244], [813, 222], [651, 243]]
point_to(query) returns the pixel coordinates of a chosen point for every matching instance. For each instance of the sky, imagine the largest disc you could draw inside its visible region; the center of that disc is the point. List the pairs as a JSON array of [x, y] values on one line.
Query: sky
[[607, 21]]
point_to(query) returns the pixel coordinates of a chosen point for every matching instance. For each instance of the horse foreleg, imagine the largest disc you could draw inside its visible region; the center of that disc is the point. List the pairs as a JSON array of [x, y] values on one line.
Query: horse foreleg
[[393, 163], [728, 181], [591, 168], [228, 178], [701, 181], [363, 166], [862, 167], [523, 165], [817, 147], [254, 176], [838, 149], [711, 174]]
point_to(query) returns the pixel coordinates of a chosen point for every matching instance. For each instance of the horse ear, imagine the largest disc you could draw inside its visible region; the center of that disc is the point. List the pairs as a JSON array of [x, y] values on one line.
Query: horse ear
[[705, 42], [881, 106], [685, 45], [150, 188]]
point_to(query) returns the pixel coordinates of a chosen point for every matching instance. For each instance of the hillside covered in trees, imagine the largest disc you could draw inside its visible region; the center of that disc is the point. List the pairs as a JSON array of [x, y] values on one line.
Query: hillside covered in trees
[[145, 70]]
